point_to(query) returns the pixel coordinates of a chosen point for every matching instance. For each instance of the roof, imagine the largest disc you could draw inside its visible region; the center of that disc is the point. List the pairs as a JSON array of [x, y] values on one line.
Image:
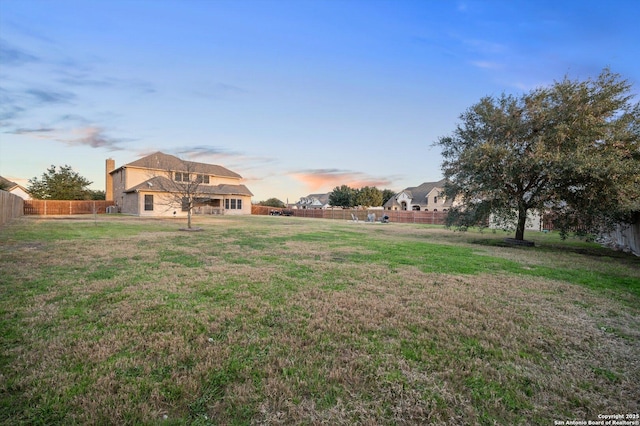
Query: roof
[[321, 198], [418, 194], [162, 161], [12, 186], [163, 184], [7, 183]]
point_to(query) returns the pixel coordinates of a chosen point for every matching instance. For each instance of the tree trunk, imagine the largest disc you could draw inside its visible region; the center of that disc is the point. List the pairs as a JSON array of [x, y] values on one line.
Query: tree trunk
[[189, 215], [522, 221]]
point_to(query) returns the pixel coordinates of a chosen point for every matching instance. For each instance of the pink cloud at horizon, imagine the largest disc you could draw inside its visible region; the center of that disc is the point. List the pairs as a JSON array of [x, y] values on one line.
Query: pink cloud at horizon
[[327, 179]]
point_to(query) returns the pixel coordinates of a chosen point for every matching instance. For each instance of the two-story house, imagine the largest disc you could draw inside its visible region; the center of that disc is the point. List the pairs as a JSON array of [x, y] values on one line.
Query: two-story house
[[158, 185], [426, 197], [313, 201]]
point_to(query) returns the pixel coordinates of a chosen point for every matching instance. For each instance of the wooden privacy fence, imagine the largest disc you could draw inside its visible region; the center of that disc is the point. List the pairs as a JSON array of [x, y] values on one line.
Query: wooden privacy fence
[[398, 216], [64, 207], [11, 206]]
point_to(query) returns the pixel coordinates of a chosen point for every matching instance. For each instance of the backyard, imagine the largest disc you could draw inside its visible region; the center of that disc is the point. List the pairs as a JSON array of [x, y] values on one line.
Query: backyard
[[110, 319]]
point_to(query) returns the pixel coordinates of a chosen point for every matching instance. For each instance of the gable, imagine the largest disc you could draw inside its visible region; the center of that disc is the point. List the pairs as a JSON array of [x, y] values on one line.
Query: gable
[[404, 196]]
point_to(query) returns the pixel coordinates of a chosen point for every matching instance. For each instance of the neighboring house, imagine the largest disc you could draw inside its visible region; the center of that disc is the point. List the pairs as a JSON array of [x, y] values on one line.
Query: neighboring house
[[313, 201], [14, 188], [426, 197], [153, 186]]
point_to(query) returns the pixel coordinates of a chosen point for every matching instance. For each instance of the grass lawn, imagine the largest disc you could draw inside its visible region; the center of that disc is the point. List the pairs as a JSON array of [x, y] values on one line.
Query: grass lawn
[[283, 320]]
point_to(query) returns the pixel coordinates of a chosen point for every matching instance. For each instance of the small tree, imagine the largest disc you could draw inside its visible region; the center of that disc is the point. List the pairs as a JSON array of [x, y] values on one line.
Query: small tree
[[181, 183], [572, 149], [342, 196], [61, 184]]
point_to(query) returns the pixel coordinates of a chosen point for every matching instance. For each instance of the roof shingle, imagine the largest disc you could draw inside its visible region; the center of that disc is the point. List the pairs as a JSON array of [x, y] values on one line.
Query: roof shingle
[[162, 161]]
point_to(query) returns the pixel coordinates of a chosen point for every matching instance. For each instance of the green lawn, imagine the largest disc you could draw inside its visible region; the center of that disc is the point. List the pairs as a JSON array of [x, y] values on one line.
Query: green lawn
[[283, 320]]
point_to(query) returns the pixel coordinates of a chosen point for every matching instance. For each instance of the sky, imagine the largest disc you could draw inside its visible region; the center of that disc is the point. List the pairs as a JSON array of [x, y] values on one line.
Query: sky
[[298, 97]]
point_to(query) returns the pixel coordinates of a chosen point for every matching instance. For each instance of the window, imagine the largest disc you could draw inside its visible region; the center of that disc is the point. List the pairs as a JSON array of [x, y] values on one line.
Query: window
[[202, 178], [148, 202], [181, 177], [233, 204], [185, 204], [435, 199]]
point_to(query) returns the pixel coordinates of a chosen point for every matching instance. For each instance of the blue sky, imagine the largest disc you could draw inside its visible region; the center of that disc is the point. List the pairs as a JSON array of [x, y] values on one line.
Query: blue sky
[[296, 96]]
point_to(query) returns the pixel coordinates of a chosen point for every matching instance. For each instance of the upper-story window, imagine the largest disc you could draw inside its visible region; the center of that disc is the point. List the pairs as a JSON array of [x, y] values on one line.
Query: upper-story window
[[186, 177], [435, 199], [202, 178], [181, 177]]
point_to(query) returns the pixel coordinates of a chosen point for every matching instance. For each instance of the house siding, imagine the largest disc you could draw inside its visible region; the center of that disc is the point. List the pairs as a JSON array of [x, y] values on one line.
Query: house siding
[[131, 183]]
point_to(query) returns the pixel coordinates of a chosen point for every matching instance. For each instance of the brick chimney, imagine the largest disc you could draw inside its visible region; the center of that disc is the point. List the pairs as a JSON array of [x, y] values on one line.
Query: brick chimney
[[110, 166]]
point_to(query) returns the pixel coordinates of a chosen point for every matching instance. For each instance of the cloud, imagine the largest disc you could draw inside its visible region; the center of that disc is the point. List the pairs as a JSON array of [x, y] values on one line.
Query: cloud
[[200, 151], [73, 118], [234, 160], [14, 104], [10, 55], [9, 108], [92, 136], [327, 179], [89, 79], [488, 65], [50, 96], [36, 132]]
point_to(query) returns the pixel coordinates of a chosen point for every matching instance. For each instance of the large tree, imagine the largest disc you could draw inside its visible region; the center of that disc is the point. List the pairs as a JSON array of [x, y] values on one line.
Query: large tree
[[368, 196], [570, 149], [60, 184], [387, 194], [342, 196]]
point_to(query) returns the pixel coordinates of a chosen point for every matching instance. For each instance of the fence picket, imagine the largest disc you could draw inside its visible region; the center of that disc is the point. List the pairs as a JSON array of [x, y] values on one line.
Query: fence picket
[[58, 207]]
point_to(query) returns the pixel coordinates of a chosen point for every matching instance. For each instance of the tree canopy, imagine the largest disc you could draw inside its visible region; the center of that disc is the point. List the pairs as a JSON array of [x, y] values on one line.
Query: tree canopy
[[60, 184], [367, 196], [272, 202], [342, 196], [387, 194], [571, 150]]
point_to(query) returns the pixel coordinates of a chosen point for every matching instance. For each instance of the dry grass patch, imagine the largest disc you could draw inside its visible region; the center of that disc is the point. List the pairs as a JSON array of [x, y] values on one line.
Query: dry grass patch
[[270, 321]]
